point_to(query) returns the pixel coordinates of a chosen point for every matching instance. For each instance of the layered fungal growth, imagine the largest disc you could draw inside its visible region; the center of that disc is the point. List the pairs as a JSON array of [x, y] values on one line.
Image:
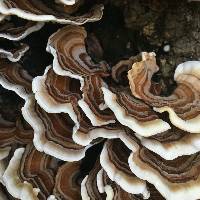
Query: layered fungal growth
[[71, 40], [183, 104], [175, 179], [35, 175], [13, 29], [79, 104], [51, 11]]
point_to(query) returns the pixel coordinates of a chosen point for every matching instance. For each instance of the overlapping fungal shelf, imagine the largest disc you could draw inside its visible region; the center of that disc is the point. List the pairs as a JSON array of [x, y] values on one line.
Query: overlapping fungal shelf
[[53, 11], [77, 103]]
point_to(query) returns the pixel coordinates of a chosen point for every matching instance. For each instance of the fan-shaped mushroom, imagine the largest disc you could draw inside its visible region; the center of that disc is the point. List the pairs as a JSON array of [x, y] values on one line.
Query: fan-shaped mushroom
[[71, 59], [183, 104], [56, 94], [52, 132], [133, 113]]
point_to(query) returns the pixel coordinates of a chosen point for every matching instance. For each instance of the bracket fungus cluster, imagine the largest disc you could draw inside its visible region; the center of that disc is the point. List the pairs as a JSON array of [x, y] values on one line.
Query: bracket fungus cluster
[[78, 103]]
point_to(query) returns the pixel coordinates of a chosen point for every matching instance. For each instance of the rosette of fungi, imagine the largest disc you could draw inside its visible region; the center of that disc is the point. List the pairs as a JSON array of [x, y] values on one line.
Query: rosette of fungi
[[77, 64], [175, 179], [56, 12], [183, 104], [52, 132], [57, 140], [37, 176], [55, 94], [78, 103]]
